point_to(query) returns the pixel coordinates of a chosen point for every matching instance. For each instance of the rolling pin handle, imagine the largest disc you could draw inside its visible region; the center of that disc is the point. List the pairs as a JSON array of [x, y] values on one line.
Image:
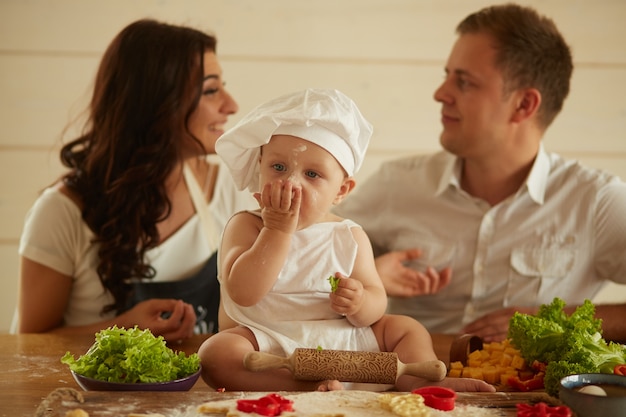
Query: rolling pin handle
[[260, 361], [431, 370]]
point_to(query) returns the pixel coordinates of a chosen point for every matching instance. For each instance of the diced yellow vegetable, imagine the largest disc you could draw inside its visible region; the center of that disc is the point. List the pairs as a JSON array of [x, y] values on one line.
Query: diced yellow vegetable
[[494, 364], [475, 355], [467, 372], [504, 378], [491, 375], [511, 350], [505, 360], [476, 373], [474, 363], [518, 362]]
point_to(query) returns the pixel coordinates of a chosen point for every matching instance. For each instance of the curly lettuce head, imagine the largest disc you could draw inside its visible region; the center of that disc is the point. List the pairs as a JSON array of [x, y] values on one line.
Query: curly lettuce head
[[132, 356]]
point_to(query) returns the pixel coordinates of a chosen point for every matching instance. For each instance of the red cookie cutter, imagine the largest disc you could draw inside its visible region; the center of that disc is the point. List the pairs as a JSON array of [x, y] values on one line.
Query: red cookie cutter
[[437, 397]]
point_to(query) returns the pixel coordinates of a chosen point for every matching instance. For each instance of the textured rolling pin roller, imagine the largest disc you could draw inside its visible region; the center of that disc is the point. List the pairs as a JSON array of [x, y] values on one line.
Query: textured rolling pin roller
[[346, 366]]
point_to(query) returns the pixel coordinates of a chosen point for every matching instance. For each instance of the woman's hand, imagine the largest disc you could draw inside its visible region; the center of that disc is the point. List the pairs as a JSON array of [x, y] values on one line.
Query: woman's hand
[[401, 281], [172, 319]]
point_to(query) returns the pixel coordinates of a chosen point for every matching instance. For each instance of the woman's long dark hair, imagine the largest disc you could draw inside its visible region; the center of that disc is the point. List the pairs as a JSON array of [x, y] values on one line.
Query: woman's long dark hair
[[148, 84]]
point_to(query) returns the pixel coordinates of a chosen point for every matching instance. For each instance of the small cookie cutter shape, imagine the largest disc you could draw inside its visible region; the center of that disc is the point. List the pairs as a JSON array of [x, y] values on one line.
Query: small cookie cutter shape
[[437, 397]]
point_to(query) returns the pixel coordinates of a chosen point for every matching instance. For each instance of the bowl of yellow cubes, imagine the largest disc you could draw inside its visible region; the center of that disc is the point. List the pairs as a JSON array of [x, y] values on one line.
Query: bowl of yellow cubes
[[497, 363]]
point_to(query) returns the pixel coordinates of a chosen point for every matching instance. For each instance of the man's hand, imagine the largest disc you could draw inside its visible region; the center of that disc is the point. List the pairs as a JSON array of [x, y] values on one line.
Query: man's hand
[[401, 281], [494, 327]]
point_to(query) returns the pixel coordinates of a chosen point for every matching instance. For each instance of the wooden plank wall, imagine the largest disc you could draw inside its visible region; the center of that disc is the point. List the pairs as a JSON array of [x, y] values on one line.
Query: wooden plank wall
[[388, 55]]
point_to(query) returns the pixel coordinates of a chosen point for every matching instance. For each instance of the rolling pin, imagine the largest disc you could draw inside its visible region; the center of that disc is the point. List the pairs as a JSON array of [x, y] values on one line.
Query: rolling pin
[[346, 366]]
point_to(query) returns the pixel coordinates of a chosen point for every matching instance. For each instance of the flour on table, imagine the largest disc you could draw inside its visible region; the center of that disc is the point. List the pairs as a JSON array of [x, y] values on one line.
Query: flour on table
[[338, 404]]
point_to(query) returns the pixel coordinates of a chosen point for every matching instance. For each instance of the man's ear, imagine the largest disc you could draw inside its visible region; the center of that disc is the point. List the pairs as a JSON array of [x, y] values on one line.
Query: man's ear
[[527, 105], [348, 185]]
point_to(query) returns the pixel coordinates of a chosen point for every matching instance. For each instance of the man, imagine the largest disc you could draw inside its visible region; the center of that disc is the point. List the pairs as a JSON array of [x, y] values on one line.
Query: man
[[517, 225]]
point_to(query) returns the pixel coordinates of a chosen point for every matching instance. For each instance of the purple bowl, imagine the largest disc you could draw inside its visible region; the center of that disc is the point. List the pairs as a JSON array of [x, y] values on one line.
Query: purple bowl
[[90, 384]]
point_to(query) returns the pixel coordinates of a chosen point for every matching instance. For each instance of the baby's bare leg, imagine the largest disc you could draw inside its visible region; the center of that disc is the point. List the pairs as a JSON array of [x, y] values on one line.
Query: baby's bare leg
[[222, 356], [405, 336], [412, 342]]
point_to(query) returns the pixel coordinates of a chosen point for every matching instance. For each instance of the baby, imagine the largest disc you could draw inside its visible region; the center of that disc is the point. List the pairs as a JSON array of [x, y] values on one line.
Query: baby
[[298, 154]]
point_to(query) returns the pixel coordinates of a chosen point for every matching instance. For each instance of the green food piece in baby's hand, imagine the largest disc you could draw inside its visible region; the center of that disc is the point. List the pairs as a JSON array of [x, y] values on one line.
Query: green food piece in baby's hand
[[334, 282], [132, 355]]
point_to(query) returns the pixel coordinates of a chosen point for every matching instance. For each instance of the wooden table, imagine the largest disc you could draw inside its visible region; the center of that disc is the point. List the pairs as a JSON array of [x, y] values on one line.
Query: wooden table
[[31, 369]]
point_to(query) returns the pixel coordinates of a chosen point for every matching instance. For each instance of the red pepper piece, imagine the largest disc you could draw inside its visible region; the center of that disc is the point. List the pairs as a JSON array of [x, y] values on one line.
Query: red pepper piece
[[437, 397], [532, 384], [539, 366], [246, 406], [269, 405], [542, 410], [284, 403], [620, 369]]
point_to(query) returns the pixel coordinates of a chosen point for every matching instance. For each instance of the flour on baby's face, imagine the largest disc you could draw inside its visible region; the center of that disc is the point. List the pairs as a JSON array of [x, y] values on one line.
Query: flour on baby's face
[[301, 148], [296, 151]]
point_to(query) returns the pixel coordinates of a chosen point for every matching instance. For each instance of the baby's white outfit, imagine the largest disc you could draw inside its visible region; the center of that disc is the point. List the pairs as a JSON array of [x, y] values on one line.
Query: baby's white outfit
[[296, 312]]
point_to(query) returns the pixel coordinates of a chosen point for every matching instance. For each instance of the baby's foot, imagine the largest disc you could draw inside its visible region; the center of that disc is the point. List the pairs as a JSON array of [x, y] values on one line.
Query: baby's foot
[[330, 385]]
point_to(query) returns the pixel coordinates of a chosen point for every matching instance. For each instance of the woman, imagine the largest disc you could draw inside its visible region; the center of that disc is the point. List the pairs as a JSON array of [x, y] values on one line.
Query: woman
[[141, 204]]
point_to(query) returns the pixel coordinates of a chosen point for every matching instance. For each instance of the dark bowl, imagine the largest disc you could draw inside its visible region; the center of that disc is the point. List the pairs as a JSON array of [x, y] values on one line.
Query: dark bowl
[[182, 384], [589, 405]]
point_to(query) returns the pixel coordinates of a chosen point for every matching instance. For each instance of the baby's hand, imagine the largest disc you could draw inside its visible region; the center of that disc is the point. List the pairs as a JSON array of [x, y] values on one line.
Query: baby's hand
[[280, 205], [348, 297]]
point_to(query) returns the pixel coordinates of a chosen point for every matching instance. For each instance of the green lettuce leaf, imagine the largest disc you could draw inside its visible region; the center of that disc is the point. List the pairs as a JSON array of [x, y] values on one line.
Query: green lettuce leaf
[[131, 356], [334, 283]]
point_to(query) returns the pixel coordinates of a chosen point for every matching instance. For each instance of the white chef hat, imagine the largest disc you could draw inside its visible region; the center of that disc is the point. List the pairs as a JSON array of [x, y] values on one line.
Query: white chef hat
[[327, 118]]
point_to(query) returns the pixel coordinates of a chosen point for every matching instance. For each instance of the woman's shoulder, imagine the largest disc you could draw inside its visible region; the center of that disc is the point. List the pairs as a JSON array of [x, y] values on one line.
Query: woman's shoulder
[[70, 195], [54, 221], [58, 197], [54, 209]]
